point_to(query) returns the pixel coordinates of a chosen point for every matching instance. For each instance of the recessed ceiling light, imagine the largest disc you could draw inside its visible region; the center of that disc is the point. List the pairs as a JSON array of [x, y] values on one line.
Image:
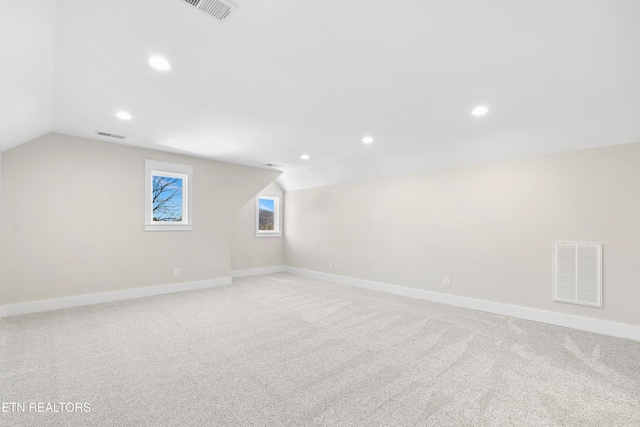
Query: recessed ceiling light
[[367, 140], [305, 157], [480, 110], [159, 63], [123, 115]]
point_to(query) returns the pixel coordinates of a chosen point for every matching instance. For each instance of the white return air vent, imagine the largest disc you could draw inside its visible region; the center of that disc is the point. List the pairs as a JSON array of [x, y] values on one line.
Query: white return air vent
[[218, 9], [577, 273], [110, 135]]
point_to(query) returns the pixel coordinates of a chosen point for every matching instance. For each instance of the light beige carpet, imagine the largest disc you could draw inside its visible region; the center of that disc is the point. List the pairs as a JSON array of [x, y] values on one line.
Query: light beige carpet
[[283, 350]]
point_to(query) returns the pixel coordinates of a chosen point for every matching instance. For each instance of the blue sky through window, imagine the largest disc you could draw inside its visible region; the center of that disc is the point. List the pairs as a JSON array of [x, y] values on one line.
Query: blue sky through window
[[167, 198], [267, 204]]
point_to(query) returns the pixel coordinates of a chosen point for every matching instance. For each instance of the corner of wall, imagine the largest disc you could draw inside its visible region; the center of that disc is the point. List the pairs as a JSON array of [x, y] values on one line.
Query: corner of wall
[[249, 255]]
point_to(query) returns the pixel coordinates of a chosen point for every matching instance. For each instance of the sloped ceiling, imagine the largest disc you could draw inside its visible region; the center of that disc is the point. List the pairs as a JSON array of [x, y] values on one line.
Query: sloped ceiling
[[27, 46], [283, 78]]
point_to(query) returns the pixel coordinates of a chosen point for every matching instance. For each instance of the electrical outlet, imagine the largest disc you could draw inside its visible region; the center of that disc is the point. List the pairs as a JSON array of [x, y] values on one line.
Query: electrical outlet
[[445, 281], [176, 272], [330, 264]]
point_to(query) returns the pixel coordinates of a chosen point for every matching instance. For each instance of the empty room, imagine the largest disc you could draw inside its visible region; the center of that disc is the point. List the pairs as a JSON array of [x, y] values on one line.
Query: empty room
[[291, 213]]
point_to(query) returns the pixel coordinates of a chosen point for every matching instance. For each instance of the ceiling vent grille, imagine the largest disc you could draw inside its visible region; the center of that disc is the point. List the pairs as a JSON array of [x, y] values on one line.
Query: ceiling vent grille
[[577, 273], [110, 135], [219, 9]]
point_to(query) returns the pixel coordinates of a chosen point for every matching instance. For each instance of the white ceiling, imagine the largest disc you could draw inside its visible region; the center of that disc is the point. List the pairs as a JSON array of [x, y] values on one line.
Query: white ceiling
[[287, 77]]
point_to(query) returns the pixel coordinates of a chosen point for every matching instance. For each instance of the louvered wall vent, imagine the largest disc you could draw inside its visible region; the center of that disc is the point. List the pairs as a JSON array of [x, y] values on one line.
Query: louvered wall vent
[[219, 9], [111, 135], [577, 273]]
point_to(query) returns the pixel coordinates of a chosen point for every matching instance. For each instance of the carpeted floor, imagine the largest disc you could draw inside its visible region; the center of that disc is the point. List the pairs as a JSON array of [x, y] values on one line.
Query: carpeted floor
[[283, 350]]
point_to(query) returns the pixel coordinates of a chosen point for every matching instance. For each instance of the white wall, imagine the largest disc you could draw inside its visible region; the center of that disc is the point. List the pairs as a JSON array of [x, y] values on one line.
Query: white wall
[[0, 233], [248, 251], [489, 227], [73, 214]]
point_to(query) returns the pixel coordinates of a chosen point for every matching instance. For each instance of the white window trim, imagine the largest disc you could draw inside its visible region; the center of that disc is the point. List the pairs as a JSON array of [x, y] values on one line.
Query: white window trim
[[156, 167], [277, 196]]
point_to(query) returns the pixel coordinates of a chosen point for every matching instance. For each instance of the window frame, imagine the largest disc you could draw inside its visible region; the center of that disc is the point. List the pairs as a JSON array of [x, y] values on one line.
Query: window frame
[[174, 170], [276, 196]]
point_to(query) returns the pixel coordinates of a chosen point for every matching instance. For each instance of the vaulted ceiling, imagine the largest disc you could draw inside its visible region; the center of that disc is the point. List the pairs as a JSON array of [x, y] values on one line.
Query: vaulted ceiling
[[278, 79]]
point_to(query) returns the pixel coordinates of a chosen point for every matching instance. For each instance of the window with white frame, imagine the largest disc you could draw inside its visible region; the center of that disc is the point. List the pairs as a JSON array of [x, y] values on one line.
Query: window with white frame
[[269, 214], [168, 196]]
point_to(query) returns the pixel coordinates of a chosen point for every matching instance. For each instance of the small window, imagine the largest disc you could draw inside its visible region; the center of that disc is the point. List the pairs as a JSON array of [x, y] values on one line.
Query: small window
[[269, 214], [168, 201]]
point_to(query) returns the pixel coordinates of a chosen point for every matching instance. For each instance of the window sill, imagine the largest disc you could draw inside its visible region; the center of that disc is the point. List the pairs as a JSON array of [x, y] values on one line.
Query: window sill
[[172, 227], [268, 234]]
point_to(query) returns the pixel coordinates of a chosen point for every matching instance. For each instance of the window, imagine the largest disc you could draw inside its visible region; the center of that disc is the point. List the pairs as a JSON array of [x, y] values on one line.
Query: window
[[168, 196], [269, 214]]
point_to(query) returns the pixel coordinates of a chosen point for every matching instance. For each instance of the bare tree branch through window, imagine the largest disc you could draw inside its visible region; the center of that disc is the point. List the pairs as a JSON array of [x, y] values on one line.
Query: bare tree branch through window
[[167, 199]]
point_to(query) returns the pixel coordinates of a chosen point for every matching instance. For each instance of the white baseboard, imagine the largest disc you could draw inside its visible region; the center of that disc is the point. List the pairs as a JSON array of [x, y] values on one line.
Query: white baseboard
[[80, 300], [620, 330], [257, 271]]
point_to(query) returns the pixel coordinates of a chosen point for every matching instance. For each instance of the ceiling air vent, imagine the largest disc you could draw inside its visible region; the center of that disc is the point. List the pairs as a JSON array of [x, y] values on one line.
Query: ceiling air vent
[[111, 135], [577, 273], [219, 9], [273, 165]]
